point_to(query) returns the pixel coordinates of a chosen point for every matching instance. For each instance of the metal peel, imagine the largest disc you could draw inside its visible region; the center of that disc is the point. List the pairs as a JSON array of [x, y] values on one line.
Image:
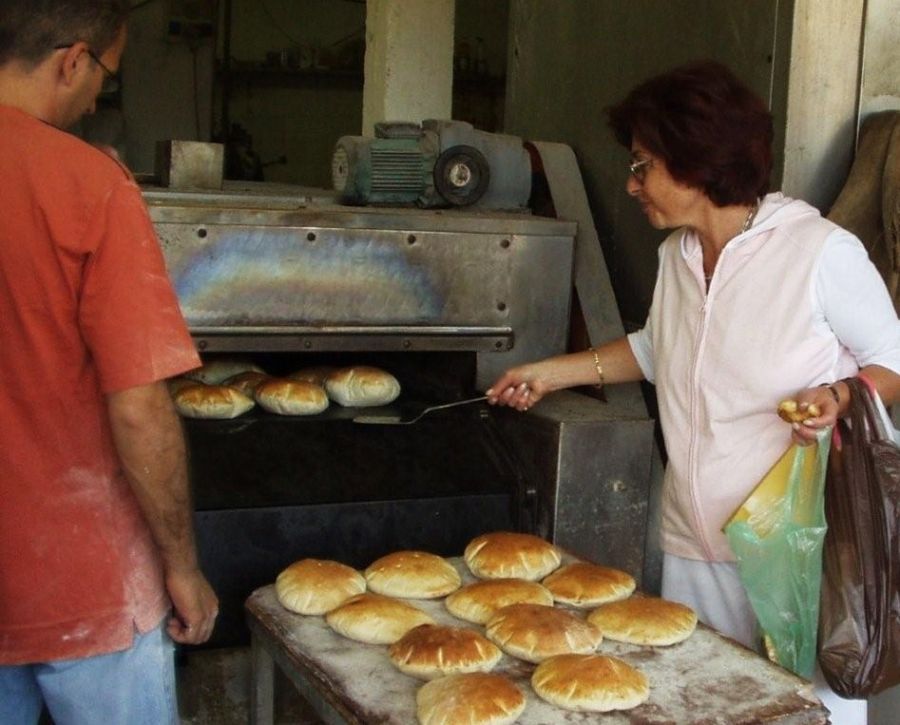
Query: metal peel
[[397, 420]]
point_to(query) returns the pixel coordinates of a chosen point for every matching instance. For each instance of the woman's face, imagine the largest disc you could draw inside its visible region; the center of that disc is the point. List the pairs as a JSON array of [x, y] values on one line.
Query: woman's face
[[666, 202]]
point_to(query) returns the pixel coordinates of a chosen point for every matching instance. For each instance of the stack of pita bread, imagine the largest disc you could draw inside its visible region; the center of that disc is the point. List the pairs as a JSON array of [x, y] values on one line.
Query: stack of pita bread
[[531, 606]]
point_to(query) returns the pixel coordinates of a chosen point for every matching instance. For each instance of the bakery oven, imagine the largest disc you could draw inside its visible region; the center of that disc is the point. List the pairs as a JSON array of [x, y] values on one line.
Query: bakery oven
[[444, 300]]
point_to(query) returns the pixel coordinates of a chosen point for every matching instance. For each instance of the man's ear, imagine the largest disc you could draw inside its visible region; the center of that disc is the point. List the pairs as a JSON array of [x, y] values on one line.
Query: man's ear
[[71, 58]]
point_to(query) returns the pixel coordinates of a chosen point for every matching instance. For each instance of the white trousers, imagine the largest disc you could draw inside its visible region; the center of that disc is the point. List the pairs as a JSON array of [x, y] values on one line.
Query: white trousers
[[713, 589]]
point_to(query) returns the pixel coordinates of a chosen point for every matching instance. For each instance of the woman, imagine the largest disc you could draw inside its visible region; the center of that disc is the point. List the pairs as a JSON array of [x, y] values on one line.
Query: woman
[[757, 299]]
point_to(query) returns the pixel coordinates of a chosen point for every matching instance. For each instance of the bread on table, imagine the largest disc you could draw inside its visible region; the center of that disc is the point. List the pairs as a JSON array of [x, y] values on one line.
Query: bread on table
[[247, 382], [507, 555], [645, 620], [211, 401], [533, 632], [217, 371], [361, 386], [290, 397], [588, 585], [375, 619], [595, 683], [316, 586], [433, 650], [412, 575], [469, 699], [478, 602]]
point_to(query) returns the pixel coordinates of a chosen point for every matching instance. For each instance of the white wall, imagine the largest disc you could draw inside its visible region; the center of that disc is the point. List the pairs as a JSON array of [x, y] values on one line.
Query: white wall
[[881, 58]]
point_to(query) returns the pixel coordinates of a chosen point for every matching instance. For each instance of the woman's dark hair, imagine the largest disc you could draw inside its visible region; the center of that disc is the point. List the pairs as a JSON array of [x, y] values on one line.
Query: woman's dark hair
[[31, 29], [712, 131]]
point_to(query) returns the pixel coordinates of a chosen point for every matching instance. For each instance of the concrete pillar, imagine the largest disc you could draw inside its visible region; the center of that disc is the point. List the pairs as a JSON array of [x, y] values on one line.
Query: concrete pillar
[[822, 98], [409, 61]]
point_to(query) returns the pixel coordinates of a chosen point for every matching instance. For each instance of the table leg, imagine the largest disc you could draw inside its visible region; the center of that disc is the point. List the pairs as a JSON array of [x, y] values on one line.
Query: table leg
[[262, 692]]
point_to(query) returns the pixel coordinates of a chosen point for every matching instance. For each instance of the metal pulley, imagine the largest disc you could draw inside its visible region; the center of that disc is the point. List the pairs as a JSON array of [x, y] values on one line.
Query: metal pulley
[[462, 175]]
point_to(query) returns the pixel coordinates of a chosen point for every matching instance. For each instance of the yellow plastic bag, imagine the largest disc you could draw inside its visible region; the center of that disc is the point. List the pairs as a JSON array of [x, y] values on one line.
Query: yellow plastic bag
[[777, 536]]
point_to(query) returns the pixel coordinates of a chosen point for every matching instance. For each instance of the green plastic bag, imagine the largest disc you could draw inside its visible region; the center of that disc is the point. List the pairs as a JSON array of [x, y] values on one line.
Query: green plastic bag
[[777, 536]]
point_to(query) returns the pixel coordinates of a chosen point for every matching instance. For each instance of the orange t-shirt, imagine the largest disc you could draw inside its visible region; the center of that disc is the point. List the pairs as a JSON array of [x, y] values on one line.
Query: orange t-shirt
[[86, 308]]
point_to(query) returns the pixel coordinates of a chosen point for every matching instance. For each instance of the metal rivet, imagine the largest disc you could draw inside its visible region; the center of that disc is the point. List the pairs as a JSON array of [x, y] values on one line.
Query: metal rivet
[[311, 237], [498, 345], [407, 344], [307, 344], [201, 344], [501, 306], [202, 233], [618, 486], [411, 239], [505, 244]]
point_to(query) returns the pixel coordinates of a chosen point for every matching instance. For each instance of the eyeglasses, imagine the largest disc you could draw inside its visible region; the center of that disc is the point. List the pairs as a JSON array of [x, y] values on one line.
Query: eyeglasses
[[110, 79], [638, 168]]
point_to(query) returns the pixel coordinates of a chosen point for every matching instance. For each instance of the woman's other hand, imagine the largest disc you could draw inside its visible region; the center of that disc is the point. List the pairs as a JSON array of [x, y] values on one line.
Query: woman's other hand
[[815, 408]]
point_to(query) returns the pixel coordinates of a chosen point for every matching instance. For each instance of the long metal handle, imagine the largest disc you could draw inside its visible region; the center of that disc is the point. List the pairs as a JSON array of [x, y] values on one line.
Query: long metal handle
[[453, 405]]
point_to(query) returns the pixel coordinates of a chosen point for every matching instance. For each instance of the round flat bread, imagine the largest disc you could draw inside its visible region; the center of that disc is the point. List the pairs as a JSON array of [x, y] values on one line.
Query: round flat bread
[[216, 372], [247, 382], [469, 699], [506, 555], [316, 375], [211, 401], [588, 585], [595, 683], [479, 602], [374, 619], [316, 586], [645, 620], [430, 651], [412, 575], [290, 397], [361, 386], [533, 632]]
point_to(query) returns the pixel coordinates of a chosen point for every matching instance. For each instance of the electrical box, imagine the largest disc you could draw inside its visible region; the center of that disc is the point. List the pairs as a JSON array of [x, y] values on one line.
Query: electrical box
[[190, 20]]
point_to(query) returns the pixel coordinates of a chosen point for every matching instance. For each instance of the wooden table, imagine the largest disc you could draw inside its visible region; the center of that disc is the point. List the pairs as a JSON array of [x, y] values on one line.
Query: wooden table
[[706, 679]]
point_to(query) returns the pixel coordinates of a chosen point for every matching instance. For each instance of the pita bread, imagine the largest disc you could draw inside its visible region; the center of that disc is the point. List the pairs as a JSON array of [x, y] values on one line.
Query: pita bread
[[430, 651], [588, 585], [480, 601], [290, 397], [374, 619], [412, 575], [362, 386], [211, 401], [316, 586], [507, 555], [216, 372], [595, 683], [533, 632], [645, 620], [469, 699], [247, 382]]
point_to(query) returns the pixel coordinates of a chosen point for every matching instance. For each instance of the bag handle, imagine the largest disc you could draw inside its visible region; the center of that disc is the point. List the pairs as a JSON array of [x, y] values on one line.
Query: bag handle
[[862, 408]]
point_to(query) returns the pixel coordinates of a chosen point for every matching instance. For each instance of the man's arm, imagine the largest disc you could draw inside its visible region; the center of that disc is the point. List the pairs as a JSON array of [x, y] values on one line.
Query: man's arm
[[150, 443]]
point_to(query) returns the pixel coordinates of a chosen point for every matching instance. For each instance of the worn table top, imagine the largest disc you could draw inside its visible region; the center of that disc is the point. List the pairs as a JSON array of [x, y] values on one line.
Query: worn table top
[[706, 679]]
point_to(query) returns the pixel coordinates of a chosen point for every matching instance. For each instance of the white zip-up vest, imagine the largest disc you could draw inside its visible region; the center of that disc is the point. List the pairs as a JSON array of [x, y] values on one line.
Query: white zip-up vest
[[724, 359]]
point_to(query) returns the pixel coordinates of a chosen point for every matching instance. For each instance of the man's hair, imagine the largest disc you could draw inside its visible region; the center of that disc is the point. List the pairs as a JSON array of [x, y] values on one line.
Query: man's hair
[[712, 131], [31, 29]]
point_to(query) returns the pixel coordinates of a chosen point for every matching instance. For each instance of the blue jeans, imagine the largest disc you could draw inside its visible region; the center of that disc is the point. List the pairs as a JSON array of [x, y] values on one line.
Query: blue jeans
[[135, 686]]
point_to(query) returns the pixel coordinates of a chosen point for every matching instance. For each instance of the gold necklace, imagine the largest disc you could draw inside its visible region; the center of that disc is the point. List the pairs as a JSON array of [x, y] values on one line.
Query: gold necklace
[[748, 222]]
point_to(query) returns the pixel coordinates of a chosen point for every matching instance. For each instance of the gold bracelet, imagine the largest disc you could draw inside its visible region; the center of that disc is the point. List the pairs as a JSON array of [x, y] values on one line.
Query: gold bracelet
[[598, 367]]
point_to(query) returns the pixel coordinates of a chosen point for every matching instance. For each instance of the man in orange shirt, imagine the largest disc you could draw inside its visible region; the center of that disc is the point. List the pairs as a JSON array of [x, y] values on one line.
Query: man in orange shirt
[[96, 534]]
